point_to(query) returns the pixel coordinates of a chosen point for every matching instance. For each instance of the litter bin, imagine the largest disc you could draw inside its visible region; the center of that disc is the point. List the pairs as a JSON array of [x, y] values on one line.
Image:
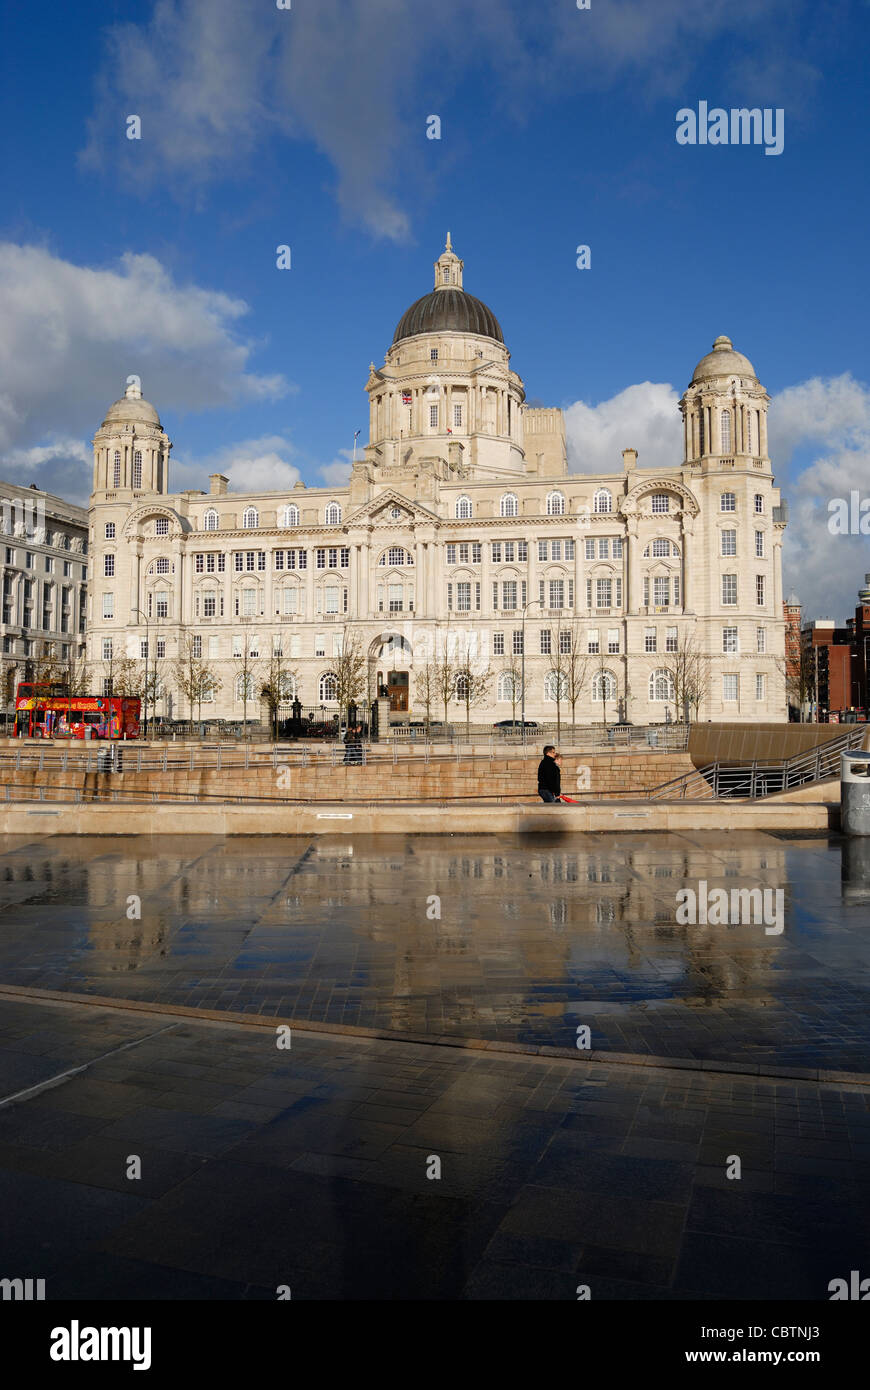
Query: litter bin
[[855, 792]]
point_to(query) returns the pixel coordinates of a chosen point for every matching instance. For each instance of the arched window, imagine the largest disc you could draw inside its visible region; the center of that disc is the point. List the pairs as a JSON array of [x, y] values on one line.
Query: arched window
[[603, 501], [556, 686], [287, 686], [556, 504], [396, 555], [251, 519], [244, 686], [137, 469], [508, 687], [210, 520], [661, 687], [463, 508], [117, 473], [333, 514], [328, 688], [460, 689], [726, 431], [289, 516], [509, 505], [604, 686]]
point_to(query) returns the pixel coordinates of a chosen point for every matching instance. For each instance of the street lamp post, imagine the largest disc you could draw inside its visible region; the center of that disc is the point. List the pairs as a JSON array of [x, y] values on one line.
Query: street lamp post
[[533, 603], [147, 655]]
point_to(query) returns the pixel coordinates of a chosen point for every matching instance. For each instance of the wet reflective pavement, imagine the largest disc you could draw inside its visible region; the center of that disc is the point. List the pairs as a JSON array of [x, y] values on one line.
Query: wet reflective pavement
[[499, 937]]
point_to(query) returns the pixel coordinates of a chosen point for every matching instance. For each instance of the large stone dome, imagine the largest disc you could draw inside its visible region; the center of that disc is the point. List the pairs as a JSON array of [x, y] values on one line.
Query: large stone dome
[[448, 310], [132, 409], [724, 360]]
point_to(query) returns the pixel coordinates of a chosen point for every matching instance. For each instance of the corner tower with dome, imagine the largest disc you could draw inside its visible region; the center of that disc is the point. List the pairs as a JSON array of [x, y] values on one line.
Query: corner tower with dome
[[458, 524]]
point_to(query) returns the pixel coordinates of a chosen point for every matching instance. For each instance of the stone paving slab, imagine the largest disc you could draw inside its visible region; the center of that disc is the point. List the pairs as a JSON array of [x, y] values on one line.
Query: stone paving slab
[[536, 937], [554, 1172]]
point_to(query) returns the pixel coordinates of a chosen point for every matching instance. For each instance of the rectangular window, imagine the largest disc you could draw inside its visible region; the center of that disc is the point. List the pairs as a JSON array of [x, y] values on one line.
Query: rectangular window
[[557, 593], [509, 549], [463, 597], [320, 559], [108, 565], [660, 502], [49, 564], [759, 687], [261, 559], [759, 590], [518, 643], [729, 639], [509, 593], [603, 593], [730, 687], [143, 649], [569, 550], [592, 642], [498, 644], [451, 554], [555, 550], [238, 561], [522, 551], [107, 649], [197, 645], [331, 595], [546, 642], [463, 553], [729, 543], [108, 605], [495, 551], [649, 639], [761, 639], [162, 606], [613, 641], [279, 559], [457, 416], [590, 550], [759, 545], [759, 503], [221, 564], [345, 557], [161, 526], [476, 552], [671, 639], [728, 502], [396, 597], [250, 559], [213, 647], [209, 605], [110, 530], [565, 643], [542, 550], [604, 548], [617, 547], [729, 590], [433, 417], [661, 591]]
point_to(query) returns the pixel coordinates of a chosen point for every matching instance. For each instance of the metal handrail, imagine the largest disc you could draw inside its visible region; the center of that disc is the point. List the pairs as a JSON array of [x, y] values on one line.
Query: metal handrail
[[763, 776]]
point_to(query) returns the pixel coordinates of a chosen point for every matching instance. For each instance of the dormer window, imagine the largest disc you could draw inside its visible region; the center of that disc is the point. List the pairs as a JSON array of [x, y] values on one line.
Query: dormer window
[[250, 519]]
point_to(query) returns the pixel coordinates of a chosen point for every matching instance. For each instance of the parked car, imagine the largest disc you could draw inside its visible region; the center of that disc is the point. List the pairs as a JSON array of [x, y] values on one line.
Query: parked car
[[509, 725]]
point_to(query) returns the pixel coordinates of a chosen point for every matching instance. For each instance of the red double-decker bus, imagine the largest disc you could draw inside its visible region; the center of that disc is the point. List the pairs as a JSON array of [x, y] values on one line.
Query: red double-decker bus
[[44, 710]]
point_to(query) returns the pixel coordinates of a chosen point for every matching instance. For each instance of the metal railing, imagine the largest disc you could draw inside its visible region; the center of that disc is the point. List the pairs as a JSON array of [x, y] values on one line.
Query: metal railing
[[762, 776]]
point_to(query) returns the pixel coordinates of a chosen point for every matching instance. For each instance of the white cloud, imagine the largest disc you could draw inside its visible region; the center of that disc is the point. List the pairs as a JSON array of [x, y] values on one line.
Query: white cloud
[[645, 417], [337, 473], [250, 465], [70, 335], [214, 80]]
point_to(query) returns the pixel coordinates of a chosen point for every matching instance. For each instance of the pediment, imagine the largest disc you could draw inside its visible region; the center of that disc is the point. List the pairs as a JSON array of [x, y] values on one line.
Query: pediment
[[378, 511]]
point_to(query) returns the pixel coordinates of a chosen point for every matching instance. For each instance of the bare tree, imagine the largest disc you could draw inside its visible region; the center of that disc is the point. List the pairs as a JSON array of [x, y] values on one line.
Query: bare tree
[[279, 684], [123, 674], [426, 686], [575, 666], [472, 683], [195, 679], [798, 670], [246, 659], [688, 667], [350, 668]]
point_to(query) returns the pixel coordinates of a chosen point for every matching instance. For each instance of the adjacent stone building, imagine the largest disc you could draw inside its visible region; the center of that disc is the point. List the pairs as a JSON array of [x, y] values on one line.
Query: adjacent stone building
[[45, 573], [460, 528]]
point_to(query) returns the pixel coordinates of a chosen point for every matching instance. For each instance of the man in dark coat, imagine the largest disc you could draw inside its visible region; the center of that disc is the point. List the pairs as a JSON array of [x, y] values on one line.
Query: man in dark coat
[[549, 776]]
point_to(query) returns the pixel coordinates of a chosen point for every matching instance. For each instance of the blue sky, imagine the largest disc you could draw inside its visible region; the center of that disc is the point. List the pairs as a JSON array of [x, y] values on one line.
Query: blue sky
[[307, 127]]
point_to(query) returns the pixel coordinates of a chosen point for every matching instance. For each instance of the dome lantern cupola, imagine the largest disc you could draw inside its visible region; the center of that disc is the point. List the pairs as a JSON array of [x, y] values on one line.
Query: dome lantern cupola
[[448, 268]]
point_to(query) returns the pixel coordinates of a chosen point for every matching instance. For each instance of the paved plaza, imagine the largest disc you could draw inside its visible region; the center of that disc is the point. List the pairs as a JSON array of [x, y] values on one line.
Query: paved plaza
[[424, 1166], [496, 937], [308, 1169]]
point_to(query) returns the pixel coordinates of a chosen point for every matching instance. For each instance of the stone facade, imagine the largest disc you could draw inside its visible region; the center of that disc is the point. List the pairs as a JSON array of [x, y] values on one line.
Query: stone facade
[[45, 543], [460, 526]]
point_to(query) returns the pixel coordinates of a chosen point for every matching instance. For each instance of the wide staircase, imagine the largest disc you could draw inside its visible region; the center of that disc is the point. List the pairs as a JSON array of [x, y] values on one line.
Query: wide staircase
[[762, 777]]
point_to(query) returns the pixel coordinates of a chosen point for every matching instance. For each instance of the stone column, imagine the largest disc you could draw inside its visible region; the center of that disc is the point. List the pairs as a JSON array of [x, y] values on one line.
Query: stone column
[[634, 596], [762, 428], [688, 585]]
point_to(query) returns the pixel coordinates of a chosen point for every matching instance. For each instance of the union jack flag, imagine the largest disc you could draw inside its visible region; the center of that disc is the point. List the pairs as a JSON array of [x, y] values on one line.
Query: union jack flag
[[406, 398]]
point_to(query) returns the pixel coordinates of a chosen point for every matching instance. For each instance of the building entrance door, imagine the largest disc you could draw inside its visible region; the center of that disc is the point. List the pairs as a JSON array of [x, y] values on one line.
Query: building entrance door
[[395, 688]]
